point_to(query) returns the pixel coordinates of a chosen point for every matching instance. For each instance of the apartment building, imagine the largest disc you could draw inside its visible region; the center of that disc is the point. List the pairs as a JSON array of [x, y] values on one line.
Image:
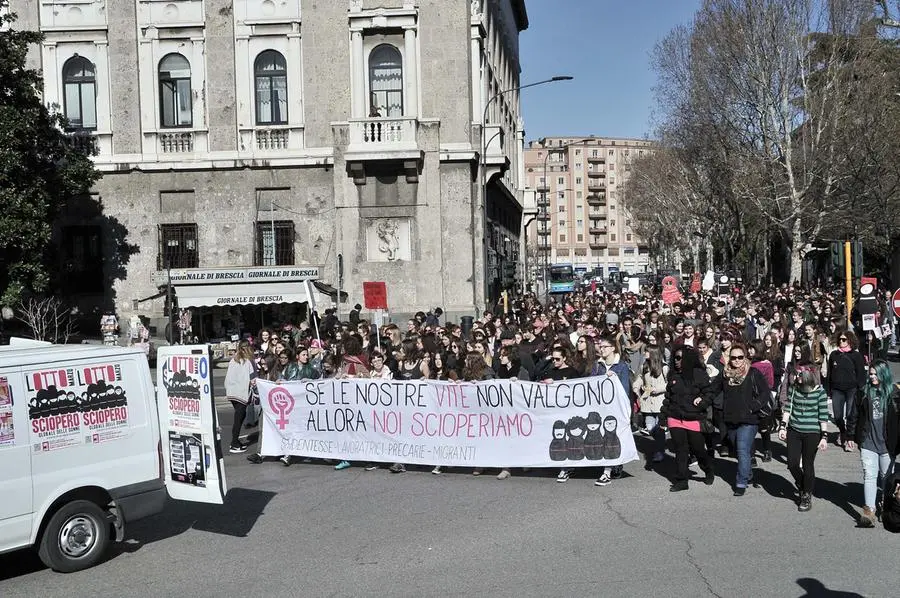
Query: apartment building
[[268, 142], [579, 216]]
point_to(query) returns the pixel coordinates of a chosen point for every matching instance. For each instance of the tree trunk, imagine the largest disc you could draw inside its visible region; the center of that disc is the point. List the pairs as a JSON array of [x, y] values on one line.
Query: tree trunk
[[797, 245]]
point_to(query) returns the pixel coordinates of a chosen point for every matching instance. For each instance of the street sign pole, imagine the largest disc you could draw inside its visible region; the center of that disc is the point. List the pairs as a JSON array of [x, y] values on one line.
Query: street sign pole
[[848, 278]]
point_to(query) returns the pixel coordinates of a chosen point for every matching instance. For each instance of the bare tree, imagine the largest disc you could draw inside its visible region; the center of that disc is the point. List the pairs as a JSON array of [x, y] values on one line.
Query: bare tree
[[48, 319]]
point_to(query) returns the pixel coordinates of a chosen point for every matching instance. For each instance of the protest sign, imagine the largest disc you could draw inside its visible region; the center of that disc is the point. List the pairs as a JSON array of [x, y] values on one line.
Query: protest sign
[[498, 423]]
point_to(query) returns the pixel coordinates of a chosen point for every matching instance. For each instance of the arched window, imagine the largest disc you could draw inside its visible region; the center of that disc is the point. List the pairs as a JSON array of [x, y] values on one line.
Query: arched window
[[175, 92], [270, 71], [385, 81], [80, 94]]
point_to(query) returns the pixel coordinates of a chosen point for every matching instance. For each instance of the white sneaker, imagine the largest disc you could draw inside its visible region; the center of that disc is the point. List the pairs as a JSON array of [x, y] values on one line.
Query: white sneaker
[[437, 470], [477, 471], [563, 476], [504, 473]]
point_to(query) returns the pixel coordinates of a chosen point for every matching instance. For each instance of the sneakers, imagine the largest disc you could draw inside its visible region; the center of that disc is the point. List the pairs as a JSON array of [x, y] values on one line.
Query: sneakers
[[767, 456], [753, 462], [603, 480], [740, 491], [805, 502], [241, 448], [679, 486], [255, 458], [710, 478], [504, 474], [645, 432], [658, 457], [563, 476], [397, 468], [867, 519], [437, 470], [477, 471], [617, 471], [373, 467], [692, 461], [342, 465], [286, 459]]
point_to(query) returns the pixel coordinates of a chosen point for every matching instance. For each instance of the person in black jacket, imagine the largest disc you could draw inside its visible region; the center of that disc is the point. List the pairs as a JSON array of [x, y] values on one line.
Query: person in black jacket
[[846, 378], [688, 395], [874, 424], [744, 393]]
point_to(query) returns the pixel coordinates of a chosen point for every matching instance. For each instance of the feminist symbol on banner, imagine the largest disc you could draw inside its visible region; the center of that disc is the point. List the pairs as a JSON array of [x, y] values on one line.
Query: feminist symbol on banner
[[282, 403]]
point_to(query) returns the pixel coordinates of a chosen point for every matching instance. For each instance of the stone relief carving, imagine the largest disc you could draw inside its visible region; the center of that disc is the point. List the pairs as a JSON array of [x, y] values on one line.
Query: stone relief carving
[[476, 7], [387, 240]]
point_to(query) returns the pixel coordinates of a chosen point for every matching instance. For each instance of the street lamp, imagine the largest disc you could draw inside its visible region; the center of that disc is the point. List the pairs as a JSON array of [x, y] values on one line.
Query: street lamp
[[483, 182]]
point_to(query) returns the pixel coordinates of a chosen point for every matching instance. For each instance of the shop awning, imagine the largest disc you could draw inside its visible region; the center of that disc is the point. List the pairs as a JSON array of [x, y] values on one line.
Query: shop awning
[[260, 293]]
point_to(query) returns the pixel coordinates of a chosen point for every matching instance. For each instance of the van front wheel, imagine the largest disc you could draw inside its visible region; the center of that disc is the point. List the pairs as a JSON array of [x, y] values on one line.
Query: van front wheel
[[75, 538]]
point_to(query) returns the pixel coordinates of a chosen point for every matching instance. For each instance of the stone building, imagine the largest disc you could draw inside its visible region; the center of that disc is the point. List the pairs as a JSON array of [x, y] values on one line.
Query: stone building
[[581, 220], [243, 134]]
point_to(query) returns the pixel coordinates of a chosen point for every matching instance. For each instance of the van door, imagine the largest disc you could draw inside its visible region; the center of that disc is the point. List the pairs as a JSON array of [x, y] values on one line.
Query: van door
[[193, 464], [16, 509]]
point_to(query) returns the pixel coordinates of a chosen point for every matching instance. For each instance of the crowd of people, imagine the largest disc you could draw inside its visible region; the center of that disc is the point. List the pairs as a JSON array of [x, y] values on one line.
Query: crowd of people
[[711, 375]]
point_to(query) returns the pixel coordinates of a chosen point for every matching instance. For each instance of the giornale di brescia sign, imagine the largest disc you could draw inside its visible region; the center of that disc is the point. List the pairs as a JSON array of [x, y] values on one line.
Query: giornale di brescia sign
[[187, 276]]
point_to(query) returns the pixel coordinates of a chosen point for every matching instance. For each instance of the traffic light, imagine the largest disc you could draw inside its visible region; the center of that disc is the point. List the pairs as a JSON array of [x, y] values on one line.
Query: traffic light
[[856, 252], [837, 259]]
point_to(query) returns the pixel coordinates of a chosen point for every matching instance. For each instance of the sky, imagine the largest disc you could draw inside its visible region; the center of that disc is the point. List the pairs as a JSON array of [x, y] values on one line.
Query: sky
[[606, 46]]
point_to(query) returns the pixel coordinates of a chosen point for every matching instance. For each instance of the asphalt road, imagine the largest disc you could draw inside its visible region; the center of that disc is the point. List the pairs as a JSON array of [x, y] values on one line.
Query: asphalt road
[[308, 530]]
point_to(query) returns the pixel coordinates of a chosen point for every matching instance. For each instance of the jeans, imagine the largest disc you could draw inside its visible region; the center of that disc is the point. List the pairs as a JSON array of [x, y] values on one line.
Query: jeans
[[741, 437], [842, 401], [686, 442], [801, 457], [873, 465], [651, 423], [240, 412]]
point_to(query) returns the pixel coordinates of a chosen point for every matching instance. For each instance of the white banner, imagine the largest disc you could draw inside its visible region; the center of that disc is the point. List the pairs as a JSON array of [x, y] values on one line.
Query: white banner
[[498, 423]]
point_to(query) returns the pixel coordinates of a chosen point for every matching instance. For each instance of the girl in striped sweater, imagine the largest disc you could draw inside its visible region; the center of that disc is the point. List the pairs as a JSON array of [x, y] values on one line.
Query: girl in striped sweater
[[804, 424]]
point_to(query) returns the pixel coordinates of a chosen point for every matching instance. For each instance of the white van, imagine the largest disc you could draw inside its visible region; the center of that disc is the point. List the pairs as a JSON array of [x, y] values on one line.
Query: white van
[[85, 447]]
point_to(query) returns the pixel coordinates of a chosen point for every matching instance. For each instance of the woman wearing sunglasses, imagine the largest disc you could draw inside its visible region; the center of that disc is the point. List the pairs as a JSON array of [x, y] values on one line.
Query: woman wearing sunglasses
[[874, 425], [846, 377], [745, 392]]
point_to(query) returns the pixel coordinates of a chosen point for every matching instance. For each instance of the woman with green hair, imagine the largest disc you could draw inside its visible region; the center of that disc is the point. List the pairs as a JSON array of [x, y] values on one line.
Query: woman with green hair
[[874, 425]]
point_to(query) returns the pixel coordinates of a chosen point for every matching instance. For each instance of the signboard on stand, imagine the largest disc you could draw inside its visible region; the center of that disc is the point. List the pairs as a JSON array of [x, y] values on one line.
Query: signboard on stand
[[375, 295]]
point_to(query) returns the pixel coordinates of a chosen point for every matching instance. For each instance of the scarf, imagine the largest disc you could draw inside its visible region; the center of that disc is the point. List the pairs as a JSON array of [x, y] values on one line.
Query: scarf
[[736, 376]]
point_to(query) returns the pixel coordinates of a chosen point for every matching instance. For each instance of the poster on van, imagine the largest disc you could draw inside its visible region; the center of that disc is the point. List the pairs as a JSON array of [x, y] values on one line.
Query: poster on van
[[7, 433], [186, 460], [72, 406], [185, 380]]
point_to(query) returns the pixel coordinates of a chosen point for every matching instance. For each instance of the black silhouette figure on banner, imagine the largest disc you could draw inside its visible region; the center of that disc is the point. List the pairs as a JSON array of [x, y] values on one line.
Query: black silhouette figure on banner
[[558, 450], [51, 401], [593, 439], [575, 438], [41, 404], [612, 446]]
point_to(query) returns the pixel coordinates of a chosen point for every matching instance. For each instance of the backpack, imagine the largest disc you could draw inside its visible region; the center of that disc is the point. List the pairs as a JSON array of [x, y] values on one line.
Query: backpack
[[770, 405]]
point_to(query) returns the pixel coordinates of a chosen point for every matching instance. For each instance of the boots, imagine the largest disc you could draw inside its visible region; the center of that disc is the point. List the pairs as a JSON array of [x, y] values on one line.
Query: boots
[[867, 519], [805, 502]]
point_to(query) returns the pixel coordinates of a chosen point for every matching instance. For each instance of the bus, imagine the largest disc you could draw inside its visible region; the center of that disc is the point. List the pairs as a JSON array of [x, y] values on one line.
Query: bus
[[562, 278]]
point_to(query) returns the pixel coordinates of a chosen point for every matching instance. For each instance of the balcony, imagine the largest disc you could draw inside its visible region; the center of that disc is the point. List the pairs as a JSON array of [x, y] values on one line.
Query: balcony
[[543, 248], [544, 232], [181, 142], [596, 174], [597, 244], [543, 216], [596, 186], [383, 136], [543, 202], [597, 230], [268, 139], [83, 141], [543, 188], [596, 160], [597, 217], [596, 201]]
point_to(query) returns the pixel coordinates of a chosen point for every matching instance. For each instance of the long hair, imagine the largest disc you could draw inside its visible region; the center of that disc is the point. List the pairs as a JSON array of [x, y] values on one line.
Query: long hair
[[882, 391], [244, 352], [654, 362], [772, 353], [852, 341], [584, 363], [759, 350], [474, 368], [690, 361]]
